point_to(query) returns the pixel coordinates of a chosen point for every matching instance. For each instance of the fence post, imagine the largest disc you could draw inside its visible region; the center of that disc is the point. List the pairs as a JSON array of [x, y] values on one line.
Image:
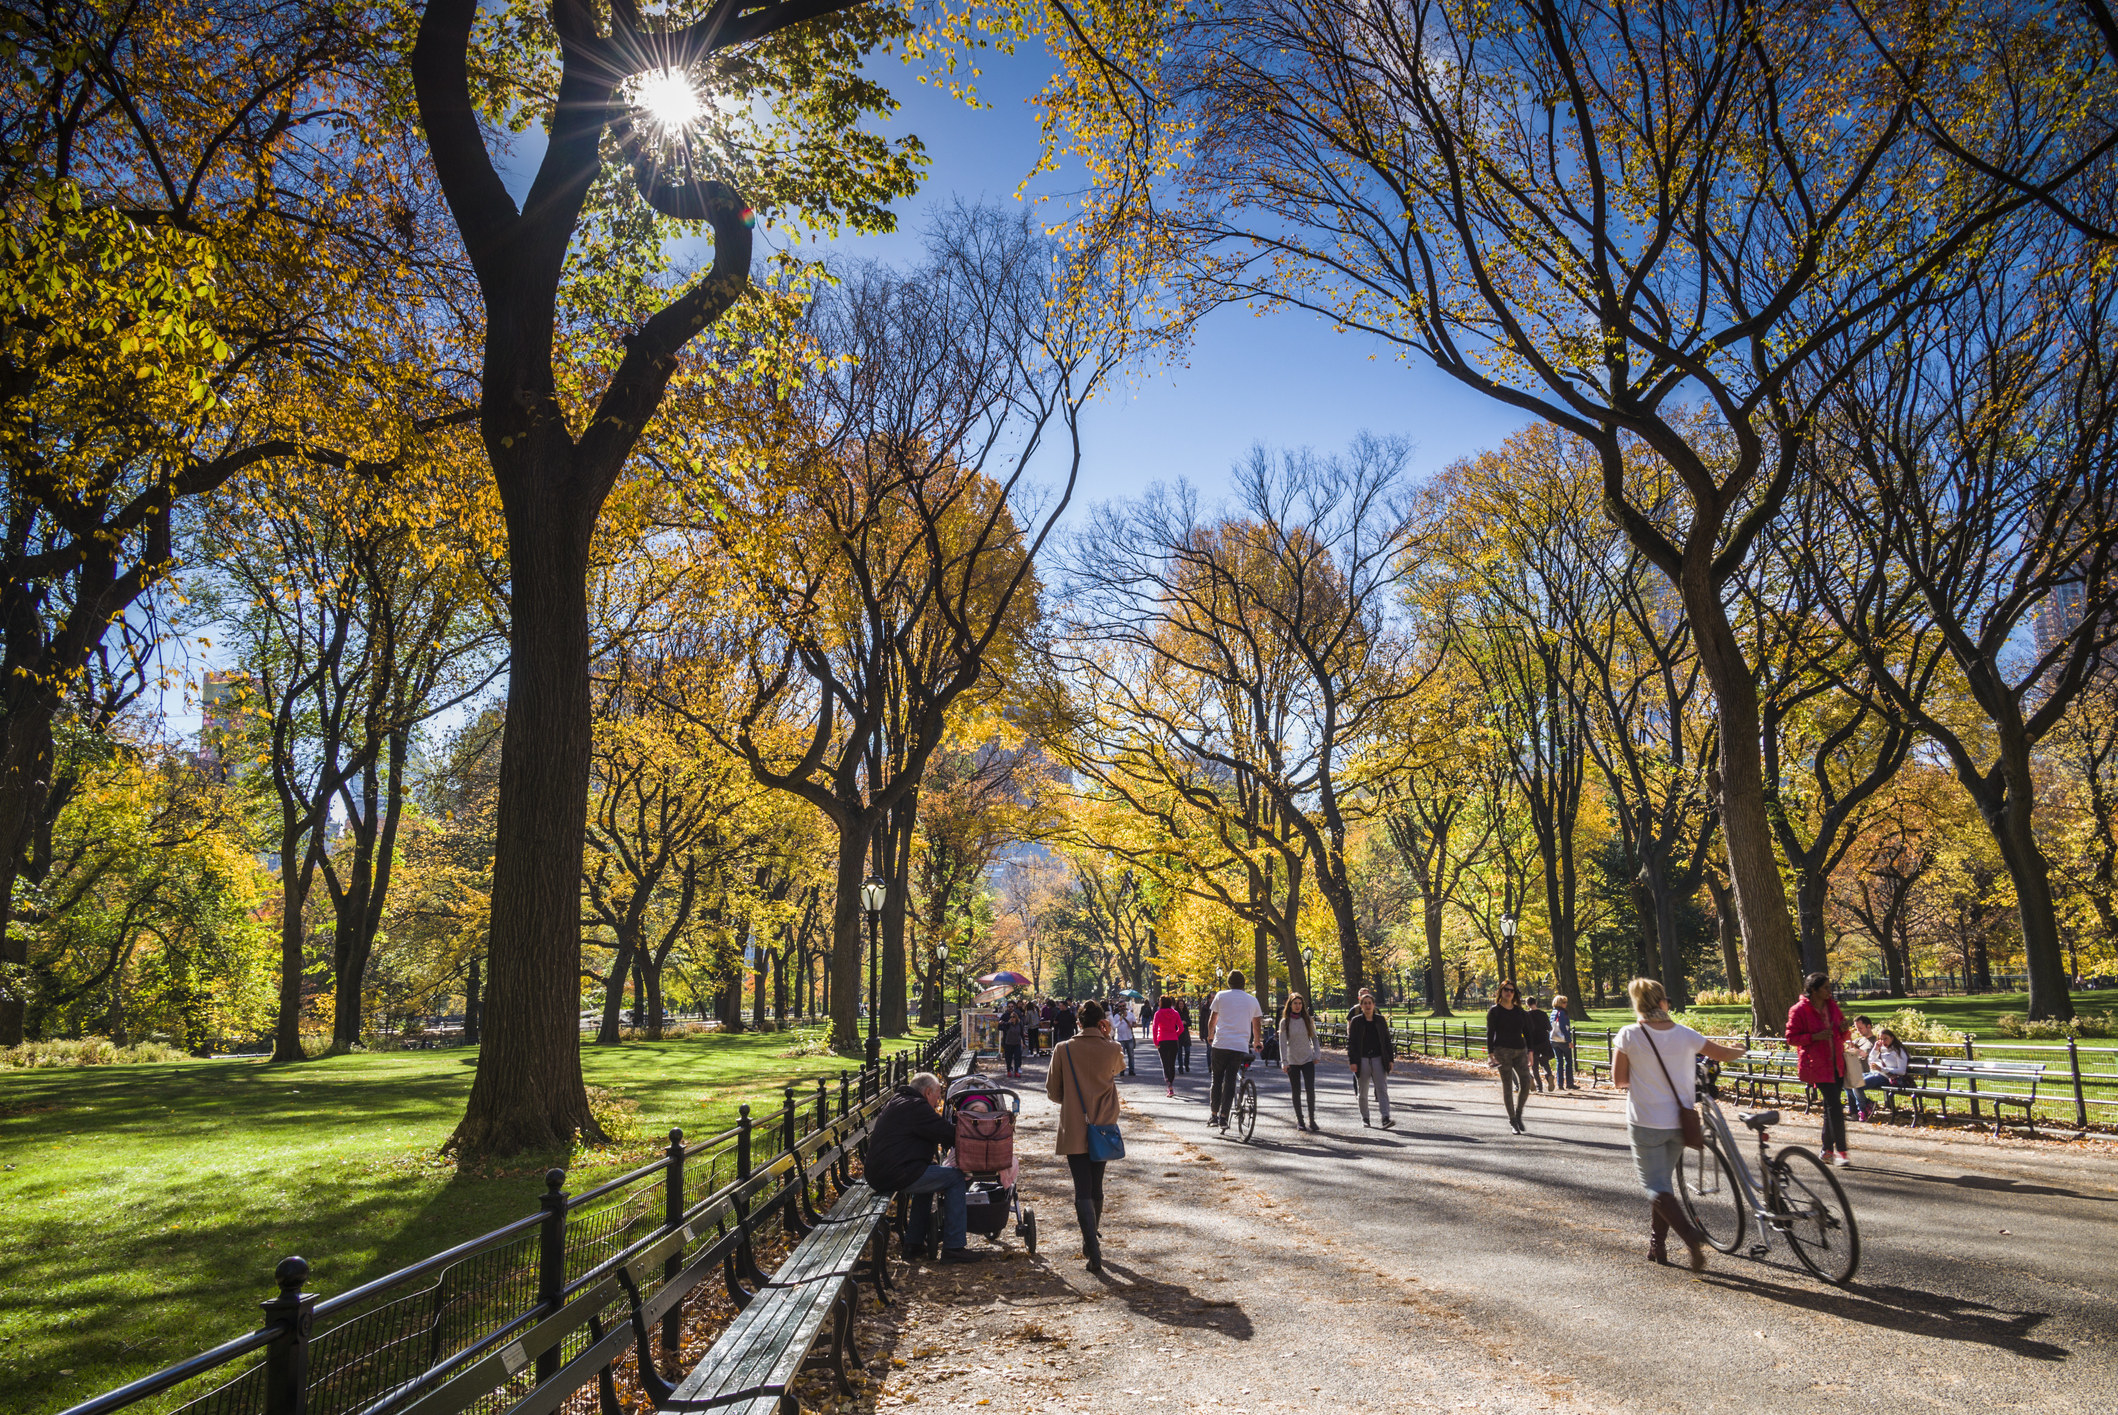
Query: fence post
[[672, 1217], [1970, 1055], [551, 1263], [287, 1358], [2081, 1107]]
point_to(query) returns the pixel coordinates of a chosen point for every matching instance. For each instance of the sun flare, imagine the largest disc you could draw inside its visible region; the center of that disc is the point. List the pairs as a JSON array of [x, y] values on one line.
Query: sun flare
[[669, 99]]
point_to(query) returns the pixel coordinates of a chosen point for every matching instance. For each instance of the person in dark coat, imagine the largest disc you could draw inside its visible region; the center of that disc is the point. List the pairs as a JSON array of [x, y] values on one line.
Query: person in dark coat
[[901, 1150]]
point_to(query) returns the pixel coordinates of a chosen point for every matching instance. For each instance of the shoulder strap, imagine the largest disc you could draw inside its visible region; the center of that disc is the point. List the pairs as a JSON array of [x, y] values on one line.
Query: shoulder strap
[[1649, 1033]]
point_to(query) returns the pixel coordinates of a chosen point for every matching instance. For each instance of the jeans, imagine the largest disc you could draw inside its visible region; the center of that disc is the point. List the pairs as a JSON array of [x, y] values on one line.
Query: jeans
[[1541, 1071], [1563, 1053], [1013, 1058], [1184, 1055], [948, 1182], [1834, 1115], [1299, 1077], [1372, 1071], [1169, 1062], [1088, 1201], [1657, 1155], [1128, 1045], [1227, 1065], [1875, 1081], [1514, 1079]]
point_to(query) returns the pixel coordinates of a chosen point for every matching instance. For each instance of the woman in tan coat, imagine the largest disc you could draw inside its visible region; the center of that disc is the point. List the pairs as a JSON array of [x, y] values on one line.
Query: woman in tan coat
[[1083, 1079]]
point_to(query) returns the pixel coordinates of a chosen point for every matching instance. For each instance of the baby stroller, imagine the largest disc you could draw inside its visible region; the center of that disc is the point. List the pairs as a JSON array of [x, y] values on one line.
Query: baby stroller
[[983, 1113]]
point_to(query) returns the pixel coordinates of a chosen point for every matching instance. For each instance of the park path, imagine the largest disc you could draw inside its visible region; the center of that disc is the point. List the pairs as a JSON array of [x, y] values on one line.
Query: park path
[[1450, 1265]]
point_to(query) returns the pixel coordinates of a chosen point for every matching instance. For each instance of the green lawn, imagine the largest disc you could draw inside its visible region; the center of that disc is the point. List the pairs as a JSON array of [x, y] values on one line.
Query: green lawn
[[142, 1207]]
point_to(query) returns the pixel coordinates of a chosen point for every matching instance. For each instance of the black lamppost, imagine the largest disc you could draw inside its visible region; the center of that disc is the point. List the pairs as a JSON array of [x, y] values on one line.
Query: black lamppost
[[941, 980], [1507, 932], [1308, 956], [872, 895]]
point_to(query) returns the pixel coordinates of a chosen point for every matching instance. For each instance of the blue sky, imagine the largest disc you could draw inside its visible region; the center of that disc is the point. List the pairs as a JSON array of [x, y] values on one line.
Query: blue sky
[[1286, 379]]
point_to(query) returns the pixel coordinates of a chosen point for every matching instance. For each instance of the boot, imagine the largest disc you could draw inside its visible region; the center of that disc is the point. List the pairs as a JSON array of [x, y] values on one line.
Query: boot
[[1658, 1236], [1672, 1212]]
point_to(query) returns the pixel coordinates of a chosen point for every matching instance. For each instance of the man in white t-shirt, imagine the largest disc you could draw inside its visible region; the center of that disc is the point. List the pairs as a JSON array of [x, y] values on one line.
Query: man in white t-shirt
[[1235, 1029]]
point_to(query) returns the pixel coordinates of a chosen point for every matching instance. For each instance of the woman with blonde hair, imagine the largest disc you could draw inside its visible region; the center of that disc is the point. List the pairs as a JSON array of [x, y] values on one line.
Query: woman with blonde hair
[[1655, 1062]]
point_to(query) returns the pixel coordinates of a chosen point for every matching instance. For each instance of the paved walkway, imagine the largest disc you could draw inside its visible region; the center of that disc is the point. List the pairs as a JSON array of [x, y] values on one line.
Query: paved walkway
[[1450, 1265]]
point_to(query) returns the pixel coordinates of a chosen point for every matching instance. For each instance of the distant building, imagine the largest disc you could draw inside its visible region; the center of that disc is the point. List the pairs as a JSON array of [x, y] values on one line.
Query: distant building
[[221, 718]]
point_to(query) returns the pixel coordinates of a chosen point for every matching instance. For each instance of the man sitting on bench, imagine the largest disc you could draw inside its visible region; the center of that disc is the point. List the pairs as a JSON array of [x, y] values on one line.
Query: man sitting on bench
[[901, 1161]]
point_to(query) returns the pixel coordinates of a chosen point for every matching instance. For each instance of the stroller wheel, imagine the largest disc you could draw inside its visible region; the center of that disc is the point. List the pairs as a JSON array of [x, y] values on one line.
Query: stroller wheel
[[1028, 1229]]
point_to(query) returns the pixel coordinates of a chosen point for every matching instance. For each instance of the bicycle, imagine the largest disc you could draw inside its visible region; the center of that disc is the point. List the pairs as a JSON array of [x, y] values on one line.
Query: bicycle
[[1800, 1196], [1243, 1110]]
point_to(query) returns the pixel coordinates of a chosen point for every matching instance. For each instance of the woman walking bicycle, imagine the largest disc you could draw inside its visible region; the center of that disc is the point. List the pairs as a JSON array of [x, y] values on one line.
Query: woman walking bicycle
[[1817, 1030], [1298, 1053], [1655, 1062], [1508, 1047]]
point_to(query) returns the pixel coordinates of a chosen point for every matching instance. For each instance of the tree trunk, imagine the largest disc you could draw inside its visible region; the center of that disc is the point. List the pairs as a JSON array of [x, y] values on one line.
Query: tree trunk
[[2009, 818], [293, 888], [614, 996], [846, 988], [1559, 913], [1809, 889], [473, 1006], [654, 1004], [1725, 927], [528, 1094], [1668, 947], [25, 782], [1437, 978], [1770, 954]]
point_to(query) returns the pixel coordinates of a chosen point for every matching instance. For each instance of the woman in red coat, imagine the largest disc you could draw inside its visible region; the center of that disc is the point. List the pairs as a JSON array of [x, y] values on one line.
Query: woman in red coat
[[1817, 1030]]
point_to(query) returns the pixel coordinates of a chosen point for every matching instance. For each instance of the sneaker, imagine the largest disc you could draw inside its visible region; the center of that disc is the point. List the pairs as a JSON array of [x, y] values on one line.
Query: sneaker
[[1842, 1160], [959, 1255], [1169, 1090], [1388, 1123]]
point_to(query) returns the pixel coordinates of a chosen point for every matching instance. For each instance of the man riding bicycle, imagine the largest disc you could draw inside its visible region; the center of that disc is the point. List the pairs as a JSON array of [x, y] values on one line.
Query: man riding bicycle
[[1235, 1029]]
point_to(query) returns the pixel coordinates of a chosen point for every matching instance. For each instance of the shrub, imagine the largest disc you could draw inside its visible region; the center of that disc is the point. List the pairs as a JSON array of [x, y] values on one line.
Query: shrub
[[817, 1043], [89, 1051], [619, 1117], [1912, 1025], [1722, 997], [2051, 1029]]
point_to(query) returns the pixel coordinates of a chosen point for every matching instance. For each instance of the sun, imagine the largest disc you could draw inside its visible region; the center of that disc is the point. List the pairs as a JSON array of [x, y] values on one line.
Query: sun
[[669, 99]]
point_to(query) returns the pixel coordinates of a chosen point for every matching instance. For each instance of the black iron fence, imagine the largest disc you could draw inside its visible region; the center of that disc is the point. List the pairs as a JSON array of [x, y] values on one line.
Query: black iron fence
[[382, 1347]]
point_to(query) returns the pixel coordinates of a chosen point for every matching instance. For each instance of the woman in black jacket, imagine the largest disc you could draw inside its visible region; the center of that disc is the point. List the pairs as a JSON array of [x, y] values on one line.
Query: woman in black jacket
[[1371, 1051], [1508, 1047]]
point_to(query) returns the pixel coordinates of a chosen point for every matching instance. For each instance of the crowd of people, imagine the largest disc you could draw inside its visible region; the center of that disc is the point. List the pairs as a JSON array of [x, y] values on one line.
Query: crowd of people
[[1091, 1047]]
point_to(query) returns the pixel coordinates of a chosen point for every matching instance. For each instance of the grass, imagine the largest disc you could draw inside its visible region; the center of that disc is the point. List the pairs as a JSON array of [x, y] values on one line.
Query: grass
[[142, 1208]]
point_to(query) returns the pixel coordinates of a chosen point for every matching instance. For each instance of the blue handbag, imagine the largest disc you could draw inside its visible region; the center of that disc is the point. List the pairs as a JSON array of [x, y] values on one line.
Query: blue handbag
[[1104, 1142]]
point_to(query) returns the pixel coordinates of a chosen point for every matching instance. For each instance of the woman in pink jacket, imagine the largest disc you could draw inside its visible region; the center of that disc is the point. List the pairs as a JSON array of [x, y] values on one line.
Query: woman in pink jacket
[[1817, 1030], [1166, 1031]]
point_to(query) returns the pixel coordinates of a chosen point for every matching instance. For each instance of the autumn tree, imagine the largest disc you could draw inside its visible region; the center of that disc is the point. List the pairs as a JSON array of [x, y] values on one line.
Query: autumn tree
[[1977, 459], [1264, 643], [880, 527], [1613, 217], [217, 256]]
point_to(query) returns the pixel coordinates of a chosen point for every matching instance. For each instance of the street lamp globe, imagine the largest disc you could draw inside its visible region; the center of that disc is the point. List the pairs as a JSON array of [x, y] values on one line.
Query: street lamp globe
[[872, 895], [1507, 926]]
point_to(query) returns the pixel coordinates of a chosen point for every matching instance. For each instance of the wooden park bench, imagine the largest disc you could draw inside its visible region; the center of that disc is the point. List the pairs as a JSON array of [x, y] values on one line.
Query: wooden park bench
[[1935, 1079]]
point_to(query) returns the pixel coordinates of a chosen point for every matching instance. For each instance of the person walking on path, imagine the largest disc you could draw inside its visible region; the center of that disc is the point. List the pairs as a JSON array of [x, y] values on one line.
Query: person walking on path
[[1508, 1047], [1121, 1031], [1655, 1062], [1563, 1042], [1012, 1027], [1817, 1030], [1083, 1079], [1167, 1027], [1298, 1051], [1235, 1029], [1539, 1027], [1370, 1052], [1063, 1023], [1184, 1037]]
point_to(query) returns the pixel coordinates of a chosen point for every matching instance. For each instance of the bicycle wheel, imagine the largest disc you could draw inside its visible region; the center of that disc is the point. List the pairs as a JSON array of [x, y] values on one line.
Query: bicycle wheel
[[1707, 1183], [1819, 1220], [1246, 1109]]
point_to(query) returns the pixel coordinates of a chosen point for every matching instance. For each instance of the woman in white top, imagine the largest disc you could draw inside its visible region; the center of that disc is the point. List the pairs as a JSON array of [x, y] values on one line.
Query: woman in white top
[[1298, 1054], [1655, 1062], [1121, 1032]]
